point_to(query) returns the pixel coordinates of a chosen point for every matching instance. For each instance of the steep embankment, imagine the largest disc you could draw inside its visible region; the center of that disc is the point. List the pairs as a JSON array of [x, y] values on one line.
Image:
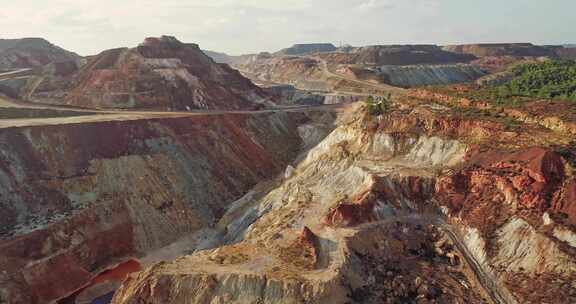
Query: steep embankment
[[423, 75], [78, 199], [358, 221]]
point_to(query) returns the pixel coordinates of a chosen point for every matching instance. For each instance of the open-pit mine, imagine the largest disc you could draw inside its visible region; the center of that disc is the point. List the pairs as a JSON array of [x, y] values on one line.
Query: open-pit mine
[[164, 174]]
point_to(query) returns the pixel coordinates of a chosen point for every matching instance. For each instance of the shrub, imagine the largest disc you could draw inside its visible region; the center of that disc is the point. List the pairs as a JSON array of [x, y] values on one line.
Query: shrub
[[380, 105], [549, 80]]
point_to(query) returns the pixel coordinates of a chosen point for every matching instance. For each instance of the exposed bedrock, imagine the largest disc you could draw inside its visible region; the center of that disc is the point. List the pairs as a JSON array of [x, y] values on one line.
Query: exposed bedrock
[[303, 247], [357, 221], [515, 212], [78, 199]]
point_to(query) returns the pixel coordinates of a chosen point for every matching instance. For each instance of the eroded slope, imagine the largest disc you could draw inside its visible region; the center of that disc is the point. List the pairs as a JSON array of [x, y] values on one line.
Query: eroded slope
[[359, 221], [77, 199], [161, 73]]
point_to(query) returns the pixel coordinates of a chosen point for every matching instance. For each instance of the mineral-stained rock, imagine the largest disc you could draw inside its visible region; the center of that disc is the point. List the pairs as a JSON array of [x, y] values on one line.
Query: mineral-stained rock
[[367, 197], [77, 199], [526, 179], [161, 73], [564, 201]]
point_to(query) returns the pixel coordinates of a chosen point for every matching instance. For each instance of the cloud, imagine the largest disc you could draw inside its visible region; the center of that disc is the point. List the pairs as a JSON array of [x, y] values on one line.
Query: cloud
[[375, 4], [242, 26]]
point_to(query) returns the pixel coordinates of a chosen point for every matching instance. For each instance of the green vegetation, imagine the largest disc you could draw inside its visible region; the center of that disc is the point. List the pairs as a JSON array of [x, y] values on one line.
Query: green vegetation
[[379, 106], [549, 80]]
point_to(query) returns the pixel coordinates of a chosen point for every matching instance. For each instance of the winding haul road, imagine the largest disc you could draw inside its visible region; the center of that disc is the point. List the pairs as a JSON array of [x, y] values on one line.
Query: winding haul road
[[378, 86], [490, 284], [497, 293]]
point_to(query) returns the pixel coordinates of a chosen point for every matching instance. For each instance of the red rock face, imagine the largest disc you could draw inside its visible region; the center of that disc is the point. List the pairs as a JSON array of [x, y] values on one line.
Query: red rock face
[[527, 179], [348, 215], [363, 208], [309, 242], [307, 237], [161, 73], [359, 210], [565, 201], [60, 274]]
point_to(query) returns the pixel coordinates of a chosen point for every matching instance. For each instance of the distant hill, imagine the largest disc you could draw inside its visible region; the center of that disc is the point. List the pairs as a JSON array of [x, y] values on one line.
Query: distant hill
[[307, 48], [396, 55], [501, 49], [160, 73], [31, 53], [566, 52], [219, 57], [234, 60]]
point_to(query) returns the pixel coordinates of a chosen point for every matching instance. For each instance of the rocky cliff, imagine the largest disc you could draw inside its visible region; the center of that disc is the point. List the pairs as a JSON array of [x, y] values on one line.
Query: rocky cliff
[[78, 199], [31, 53]]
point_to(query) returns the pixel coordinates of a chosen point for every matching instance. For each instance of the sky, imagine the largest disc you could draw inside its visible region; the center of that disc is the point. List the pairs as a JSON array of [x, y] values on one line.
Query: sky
[[248, 26]]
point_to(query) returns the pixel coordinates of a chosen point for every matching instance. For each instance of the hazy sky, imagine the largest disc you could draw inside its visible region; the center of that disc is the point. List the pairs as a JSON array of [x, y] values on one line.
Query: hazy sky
[[244, 26]]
